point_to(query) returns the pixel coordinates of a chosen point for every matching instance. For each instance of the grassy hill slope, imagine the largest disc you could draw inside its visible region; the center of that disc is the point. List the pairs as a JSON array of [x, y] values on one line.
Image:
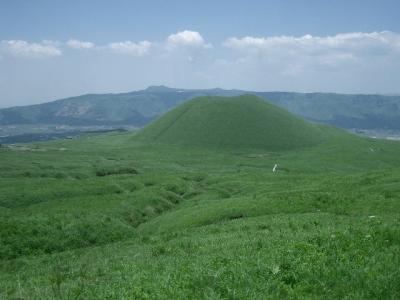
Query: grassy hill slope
[[109, 216], [242, 122]]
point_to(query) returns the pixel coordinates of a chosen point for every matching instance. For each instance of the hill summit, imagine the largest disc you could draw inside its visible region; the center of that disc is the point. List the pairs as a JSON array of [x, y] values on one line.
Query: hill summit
[[242, 122]]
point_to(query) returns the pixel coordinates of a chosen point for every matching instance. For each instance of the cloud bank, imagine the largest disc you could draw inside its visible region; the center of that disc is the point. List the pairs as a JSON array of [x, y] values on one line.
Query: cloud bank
[[25, 49], [355, 62], [76, 44], [344, 46], [131, 48], [311, 44], [298, 53], [186, 38]]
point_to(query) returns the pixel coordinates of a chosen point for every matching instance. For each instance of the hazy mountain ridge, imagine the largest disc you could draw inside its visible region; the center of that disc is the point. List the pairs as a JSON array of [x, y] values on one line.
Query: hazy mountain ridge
[[140, 107]]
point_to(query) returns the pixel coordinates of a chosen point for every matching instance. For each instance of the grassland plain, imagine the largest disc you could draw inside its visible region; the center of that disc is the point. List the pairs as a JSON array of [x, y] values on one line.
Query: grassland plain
[[114, 217]]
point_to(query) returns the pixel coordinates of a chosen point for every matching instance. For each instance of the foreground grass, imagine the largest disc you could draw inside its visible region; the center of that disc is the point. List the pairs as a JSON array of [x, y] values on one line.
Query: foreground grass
[[316, 255], [107, 217]]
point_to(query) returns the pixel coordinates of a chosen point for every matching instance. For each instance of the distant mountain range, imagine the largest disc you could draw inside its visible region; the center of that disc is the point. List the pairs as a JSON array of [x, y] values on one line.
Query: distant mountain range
[[138, 108]]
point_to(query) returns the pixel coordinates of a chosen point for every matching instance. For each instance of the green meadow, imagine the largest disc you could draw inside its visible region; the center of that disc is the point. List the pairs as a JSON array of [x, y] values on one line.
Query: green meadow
[[189, 208]]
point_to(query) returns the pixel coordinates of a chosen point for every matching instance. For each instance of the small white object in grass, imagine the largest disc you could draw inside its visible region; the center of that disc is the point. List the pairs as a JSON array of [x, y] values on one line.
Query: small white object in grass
[[274, 168], [371, 217], [275, 270]]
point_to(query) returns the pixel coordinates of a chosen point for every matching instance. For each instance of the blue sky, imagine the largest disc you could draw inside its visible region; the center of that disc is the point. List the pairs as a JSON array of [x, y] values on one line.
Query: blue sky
[[54, 49]]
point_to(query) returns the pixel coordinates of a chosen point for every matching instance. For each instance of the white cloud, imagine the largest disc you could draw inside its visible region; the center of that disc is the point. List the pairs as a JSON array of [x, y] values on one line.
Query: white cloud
[[23, 48], [186, 38], [351, 43], [344, 62], [293, 55], [76, 44], [347, 62], [132, 48]]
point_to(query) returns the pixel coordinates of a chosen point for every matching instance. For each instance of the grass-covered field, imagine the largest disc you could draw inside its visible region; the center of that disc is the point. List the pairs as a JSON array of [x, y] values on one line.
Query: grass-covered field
[[114, 217]]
